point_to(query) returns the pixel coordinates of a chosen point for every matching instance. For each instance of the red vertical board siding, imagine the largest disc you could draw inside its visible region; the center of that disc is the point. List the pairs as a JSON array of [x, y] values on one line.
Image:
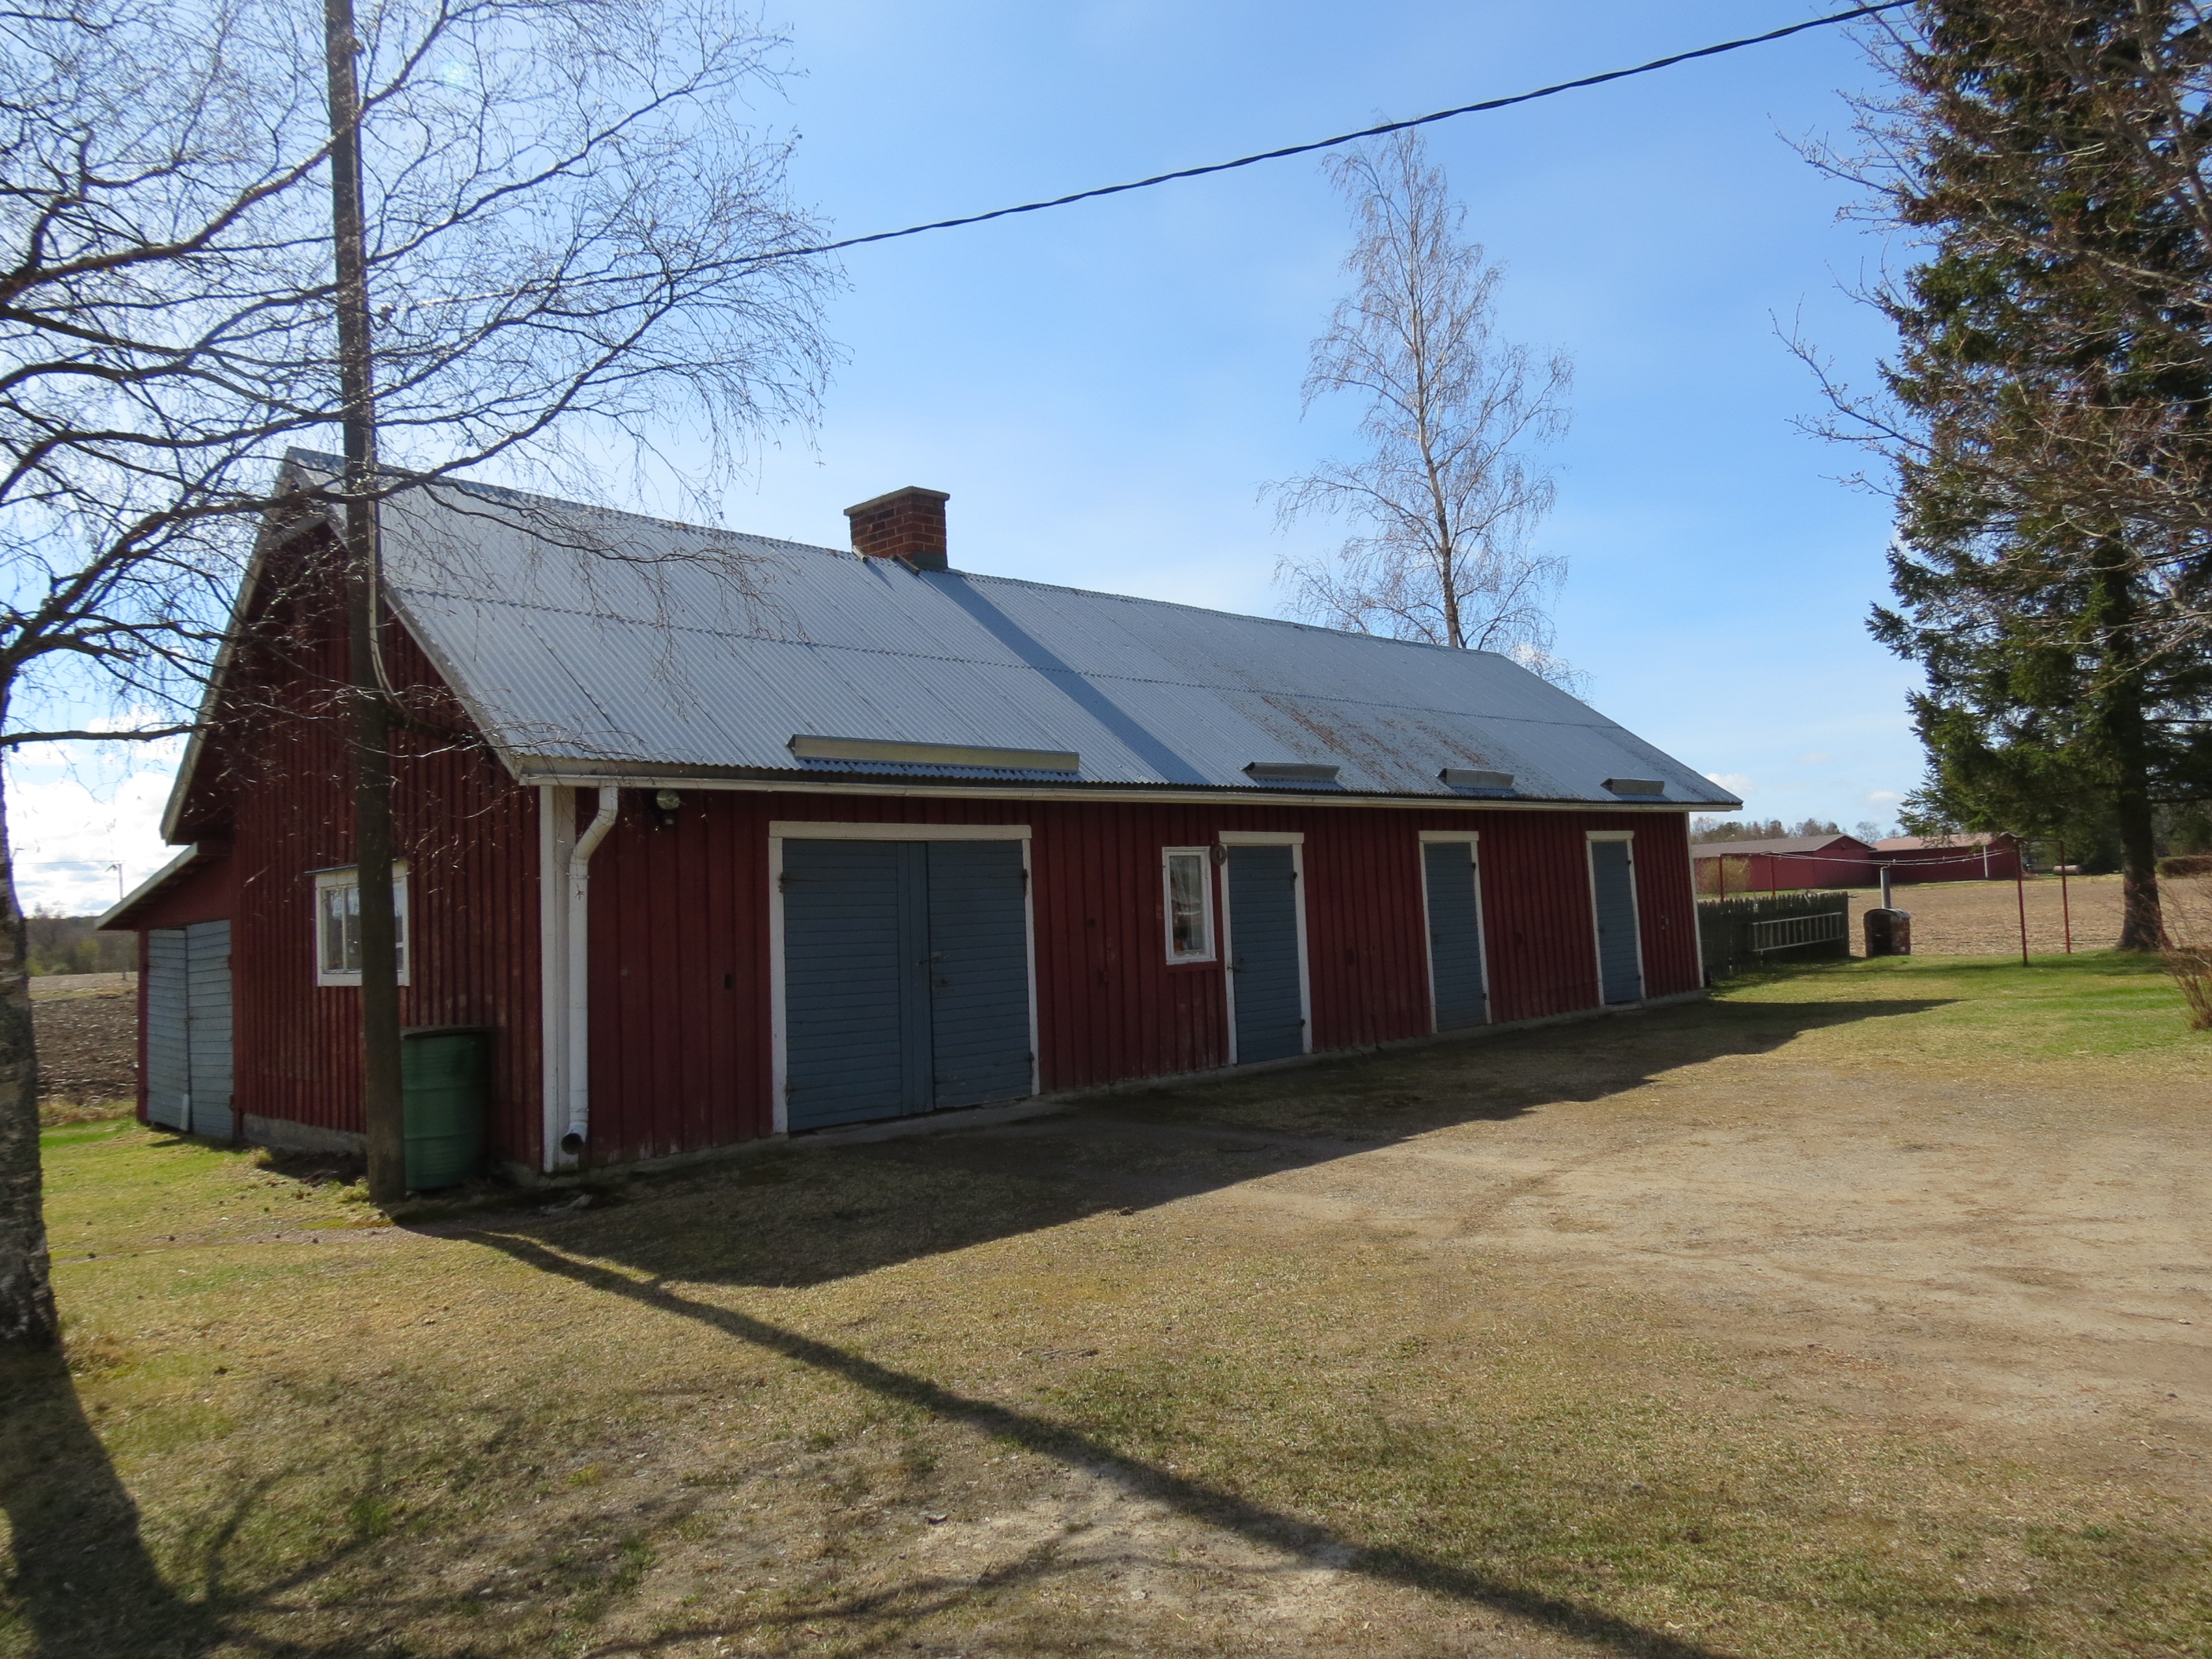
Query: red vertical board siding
[[276, 778], [680, 1064], [680, 976]]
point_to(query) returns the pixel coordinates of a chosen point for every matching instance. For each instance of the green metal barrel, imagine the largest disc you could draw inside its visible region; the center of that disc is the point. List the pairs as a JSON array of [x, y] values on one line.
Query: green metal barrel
[[444, 1077]]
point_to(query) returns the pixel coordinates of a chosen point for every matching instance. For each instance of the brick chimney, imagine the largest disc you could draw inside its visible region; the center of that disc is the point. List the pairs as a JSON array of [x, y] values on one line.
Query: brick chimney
[[908, 523]]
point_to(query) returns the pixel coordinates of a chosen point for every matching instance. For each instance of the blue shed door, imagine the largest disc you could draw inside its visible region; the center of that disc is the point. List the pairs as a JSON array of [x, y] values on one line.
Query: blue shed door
[[906, 978], [188, 1064], [1613, 888], [1267, 983], [168, 1034], [856, 1004], [979, 972], [1455, 987], [207, 957]]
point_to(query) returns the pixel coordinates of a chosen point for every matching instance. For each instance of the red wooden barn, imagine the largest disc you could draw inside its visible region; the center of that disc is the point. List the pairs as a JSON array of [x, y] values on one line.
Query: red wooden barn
[[1966, 856], [1793, 861], [725, 837]]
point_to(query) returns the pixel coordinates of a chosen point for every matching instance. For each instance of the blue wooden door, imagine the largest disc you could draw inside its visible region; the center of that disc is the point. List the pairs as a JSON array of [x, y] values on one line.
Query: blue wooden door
[[1613, 888], [906, 978], [168, 1029], [207, 956], [856, 1001], [1269, 982], [979, 972], [1456, 984]]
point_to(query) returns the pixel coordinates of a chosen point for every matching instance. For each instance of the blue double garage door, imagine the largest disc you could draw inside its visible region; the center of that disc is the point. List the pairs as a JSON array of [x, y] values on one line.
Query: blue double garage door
[[906, 978]]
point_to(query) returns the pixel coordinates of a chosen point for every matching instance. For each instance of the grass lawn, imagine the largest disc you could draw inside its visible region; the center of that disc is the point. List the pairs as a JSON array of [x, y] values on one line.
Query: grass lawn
[[1860, 1311]]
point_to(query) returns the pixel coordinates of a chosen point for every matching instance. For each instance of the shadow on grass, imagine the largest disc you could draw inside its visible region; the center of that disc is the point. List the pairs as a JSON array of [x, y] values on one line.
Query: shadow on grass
[[83, 1580], [795, 1216], [1078, 1450]]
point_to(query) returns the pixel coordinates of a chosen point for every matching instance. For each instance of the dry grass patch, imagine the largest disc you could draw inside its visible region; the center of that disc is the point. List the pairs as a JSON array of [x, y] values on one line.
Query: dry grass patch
[[1209, 1371]]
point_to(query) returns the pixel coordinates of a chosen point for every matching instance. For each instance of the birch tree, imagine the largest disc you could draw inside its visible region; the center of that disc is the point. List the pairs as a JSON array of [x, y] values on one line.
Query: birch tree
[[1446, 499], [571, 224]]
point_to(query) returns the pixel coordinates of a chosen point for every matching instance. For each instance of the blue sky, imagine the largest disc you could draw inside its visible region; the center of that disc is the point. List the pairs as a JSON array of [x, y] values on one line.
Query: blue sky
[[1104, 388]]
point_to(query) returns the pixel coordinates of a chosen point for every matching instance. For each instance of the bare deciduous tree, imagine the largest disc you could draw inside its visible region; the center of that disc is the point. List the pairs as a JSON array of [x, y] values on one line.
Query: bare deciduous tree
[[1449, 495], [569, 216]]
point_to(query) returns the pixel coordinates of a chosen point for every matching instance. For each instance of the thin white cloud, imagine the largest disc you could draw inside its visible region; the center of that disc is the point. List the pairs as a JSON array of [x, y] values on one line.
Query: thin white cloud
[[1818, 757], [76, 814], [1734, 782]]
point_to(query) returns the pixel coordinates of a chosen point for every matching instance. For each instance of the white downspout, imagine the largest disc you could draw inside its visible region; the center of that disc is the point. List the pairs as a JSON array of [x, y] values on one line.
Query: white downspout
[[580, 975]]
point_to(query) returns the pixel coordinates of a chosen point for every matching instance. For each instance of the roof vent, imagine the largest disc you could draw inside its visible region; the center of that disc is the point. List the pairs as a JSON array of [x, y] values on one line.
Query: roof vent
[[1635, 786], [1288, 772], [934, 754], [1462, 777], [906, 524]]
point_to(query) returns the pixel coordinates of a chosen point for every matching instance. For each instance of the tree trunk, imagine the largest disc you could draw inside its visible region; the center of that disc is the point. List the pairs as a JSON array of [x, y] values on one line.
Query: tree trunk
[[2126, 741], [383, 1109], [27, 1318]]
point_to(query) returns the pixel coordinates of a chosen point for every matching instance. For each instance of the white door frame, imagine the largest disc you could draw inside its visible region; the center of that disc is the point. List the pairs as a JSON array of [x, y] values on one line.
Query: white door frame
[[782, 829], [1635, 909], [1296, 840], [1446, 838]]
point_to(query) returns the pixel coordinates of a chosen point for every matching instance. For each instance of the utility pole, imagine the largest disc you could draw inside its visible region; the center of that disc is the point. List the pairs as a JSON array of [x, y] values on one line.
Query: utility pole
[[382, 1110]]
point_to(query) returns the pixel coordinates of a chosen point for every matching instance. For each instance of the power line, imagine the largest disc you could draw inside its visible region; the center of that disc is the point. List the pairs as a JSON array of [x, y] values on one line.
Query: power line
[[1348, 137]]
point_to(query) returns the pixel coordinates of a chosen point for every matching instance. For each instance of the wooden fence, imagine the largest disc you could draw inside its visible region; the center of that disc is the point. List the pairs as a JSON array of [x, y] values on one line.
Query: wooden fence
[[1739, 934]]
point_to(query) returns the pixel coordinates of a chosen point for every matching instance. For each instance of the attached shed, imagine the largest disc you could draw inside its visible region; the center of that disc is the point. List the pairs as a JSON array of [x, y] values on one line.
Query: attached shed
[[726, 837]]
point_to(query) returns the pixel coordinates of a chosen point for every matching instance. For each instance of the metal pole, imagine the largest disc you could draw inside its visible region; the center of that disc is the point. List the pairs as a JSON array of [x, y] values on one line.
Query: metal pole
[[1885, 888], [383, 1111], [2065, 905], [2019, 891]]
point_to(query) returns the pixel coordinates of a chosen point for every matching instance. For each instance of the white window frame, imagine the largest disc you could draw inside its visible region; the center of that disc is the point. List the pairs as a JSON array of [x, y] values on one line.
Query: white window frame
[[1471, 840], [1636, 914], [349, 876], [1204, 855]]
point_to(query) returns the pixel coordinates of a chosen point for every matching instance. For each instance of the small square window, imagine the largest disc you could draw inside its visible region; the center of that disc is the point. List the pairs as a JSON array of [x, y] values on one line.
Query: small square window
[[1187, 875], [338, 924]]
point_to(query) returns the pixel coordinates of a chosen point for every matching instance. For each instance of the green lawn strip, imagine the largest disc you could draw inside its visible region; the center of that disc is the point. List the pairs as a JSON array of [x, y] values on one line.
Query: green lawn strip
[[2099, 1006]]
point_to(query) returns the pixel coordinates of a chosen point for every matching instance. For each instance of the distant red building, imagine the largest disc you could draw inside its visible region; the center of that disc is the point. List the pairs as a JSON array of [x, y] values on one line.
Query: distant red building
[[1775, 866], [1950, 858]]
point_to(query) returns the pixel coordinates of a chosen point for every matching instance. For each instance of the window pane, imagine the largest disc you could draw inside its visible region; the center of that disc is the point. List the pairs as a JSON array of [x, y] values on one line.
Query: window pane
[[1187, 929], [330, 928], [349, 929]]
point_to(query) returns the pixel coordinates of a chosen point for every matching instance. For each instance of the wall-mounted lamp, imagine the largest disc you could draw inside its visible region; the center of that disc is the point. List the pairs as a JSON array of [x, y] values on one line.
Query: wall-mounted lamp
[[664, 809]]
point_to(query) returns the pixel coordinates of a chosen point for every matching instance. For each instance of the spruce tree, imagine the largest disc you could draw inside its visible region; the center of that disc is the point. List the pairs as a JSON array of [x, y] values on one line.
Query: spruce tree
[[2054, 376]]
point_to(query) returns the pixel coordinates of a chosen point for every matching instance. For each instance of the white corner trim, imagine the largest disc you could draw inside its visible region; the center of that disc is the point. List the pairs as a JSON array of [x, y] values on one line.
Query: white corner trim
[[797, 830]]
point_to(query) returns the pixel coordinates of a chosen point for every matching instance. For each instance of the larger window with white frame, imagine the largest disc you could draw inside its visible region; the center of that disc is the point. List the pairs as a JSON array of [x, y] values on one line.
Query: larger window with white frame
[[337, 923], [1186, 881]]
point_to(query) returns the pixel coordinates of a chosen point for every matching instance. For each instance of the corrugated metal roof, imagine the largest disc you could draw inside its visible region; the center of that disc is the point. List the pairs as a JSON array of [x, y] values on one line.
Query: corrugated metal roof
[[577, 636]]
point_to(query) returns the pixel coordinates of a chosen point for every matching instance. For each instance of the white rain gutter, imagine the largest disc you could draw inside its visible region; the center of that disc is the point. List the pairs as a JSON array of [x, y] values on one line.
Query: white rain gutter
[[580, 975]]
